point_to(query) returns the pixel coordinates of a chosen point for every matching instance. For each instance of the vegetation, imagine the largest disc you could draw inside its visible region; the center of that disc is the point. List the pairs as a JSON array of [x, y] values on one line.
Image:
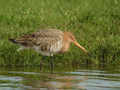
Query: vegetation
[[95, 23]]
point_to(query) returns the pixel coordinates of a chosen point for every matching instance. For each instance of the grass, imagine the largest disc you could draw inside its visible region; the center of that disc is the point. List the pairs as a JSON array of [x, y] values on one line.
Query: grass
[[95, 23]]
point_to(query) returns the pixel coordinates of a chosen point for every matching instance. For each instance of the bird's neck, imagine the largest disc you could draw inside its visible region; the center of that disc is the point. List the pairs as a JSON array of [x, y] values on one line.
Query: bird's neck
[[66, 44], [65, 47]]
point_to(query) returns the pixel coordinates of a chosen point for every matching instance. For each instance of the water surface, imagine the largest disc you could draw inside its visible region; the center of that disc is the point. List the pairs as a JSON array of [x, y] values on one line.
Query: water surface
[[87, 78]]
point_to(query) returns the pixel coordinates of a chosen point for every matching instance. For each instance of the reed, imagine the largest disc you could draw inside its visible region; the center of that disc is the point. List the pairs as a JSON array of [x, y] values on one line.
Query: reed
[[95, 23]]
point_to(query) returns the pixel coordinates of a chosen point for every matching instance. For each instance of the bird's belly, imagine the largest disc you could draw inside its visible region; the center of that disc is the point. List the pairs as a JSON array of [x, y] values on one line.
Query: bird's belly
[[48, 50], [55, 48], [44, 53]]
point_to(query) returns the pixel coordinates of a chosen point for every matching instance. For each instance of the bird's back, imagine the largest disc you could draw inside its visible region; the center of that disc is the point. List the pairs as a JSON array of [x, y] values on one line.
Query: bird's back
[[44, 41]]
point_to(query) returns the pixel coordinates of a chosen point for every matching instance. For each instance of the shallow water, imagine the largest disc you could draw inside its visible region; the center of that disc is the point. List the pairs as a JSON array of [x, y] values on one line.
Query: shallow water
[[86, 78]]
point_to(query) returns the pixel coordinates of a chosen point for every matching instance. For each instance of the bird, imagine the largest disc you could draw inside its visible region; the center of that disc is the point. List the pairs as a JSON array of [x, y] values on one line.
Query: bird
[[48, 42]]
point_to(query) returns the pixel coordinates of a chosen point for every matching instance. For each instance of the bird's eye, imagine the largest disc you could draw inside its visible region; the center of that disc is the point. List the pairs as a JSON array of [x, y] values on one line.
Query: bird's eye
[[72, 37]]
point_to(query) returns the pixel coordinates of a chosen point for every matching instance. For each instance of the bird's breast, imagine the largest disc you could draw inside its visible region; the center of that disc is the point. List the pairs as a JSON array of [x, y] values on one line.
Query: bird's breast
[[56, 47], [49, 48], [65, 47]]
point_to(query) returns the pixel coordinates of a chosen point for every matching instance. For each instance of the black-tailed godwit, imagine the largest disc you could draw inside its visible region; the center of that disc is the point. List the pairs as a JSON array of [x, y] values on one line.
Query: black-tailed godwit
[[48, 42]]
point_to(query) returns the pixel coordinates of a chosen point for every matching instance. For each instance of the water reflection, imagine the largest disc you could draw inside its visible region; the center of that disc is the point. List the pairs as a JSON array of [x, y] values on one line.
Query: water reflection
[[59, 82], [82, 79]]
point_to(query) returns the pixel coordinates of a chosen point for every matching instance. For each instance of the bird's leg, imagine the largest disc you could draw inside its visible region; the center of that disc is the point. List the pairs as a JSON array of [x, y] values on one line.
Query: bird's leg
[[52, 64], [41, 63]]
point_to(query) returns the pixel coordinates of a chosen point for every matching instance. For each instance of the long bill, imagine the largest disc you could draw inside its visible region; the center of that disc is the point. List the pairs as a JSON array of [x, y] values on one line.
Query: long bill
[[81, 47]]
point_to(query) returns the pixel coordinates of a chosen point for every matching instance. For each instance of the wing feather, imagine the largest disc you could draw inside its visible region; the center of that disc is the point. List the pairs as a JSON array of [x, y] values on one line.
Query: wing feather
[[43, 38]]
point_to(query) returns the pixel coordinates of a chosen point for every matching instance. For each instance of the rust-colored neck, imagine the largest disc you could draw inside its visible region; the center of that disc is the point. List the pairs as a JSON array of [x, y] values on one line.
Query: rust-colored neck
[[69, 38], [66, 43]]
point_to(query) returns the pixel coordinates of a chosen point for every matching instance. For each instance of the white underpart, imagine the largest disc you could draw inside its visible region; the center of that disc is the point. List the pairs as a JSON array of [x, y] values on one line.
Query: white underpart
[[37, 49], [21, 48], [56, 47], [53, 49]]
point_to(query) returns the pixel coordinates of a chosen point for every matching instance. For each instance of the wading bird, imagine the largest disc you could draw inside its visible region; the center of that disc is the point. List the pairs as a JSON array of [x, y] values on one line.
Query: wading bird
[[48, 42]]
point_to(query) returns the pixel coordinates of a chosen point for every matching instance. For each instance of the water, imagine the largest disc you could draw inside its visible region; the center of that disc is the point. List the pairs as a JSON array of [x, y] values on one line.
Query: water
[[87, 78]]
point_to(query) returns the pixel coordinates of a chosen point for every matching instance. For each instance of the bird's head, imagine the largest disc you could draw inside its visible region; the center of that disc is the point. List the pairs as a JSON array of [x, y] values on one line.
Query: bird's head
[[71, 38]]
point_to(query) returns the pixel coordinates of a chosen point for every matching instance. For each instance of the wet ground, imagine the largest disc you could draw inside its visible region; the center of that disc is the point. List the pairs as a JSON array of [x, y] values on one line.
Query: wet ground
[[87, 78]]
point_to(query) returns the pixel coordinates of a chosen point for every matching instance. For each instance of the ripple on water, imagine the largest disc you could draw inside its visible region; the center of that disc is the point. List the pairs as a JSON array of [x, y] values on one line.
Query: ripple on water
[[78, 80]]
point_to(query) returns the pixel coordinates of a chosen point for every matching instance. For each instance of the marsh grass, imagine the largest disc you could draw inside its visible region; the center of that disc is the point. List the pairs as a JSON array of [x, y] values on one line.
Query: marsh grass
[[95, 23]]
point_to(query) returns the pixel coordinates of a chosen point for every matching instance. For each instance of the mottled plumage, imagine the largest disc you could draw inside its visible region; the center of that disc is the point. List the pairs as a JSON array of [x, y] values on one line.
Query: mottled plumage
[[48, 42]]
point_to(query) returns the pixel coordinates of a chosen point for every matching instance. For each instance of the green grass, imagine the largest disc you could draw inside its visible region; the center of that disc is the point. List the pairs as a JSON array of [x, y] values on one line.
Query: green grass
[[95, 23]]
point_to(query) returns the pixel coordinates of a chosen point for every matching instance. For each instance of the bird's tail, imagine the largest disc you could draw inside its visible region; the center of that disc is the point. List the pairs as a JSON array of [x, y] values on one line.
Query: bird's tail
[[13, 41]]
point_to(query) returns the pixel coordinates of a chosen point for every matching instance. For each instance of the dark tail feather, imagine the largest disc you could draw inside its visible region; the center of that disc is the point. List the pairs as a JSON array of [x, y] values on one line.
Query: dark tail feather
[[13, 40]]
